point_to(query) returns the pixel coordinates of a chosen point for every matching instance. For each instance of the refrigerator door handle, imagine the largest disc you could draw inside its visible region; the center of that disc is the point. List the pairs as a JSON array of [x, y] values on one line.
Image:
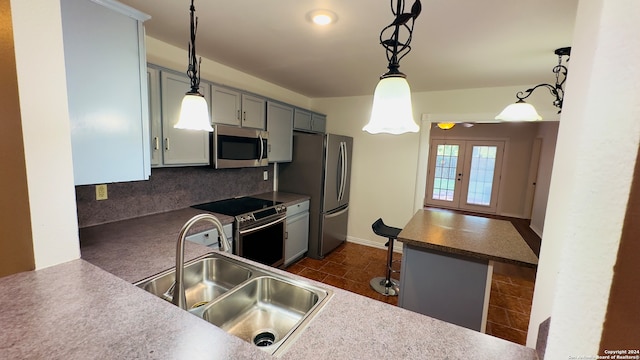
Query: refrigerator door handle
[[337, 213], [342, 171], [345, 166]]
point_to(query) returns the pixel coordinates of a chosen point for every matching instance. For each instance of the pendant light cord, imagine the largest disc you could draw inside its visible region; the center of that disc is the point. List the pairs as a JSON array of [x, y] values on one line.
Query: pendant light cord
[[194, 63]]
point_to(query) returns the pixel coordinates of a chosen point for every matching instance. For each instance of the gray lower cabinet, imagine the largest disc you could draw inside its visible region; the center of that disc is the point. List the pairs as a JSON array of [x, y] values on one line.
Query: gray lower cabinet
[[297, 239], [210, 237], [280, 128]]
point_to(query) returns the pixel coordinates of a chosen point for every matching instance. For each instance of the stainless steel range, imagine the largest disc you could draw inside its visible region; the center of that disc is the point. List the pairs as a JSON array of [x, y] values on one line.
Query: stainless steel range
[[259, 227]]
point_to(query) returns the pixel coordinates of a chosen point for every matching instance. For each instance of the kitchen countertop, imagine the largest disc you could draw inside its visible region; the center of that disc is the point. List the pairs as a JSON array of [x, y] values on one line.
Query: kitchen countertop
[[78, 311], [474, 236]]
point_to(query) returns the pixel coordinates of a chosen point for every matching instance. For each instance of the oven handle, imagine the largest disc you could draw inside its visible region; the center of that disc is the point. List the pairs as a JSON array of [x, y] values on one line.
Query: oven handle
[[250, 230]]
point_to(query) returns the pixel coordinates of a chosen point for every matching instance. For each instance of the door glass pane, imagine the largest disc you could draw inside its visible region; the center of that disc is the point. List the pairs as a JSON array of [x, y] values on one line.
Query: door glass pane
[[444, 181], [483, 161]]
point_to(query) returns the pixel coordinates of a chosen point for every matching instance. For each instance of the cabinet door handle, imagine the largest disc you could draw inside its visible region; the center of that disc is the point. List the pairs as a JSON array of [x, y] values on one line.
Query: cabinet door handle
[[156, 143], [238, 115], [244, 116], [166, 144]]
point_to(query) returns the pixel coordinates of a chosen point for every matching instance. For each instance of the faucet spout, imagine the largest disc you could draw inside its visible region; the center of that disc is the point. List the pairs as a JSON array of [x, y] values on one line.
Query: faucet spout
[[179, 298]]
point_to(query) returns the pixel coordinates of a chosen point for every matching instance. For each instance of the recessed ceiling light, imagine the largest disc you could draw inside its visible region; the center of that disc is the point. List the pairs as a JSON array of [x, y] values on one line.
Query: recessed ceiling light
[[322, 17]]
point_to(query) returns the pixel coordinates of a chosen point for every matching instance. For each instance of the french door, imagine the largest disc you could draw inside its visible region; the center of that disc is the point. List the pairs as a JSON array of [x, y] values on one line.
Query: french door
[[464, 174]]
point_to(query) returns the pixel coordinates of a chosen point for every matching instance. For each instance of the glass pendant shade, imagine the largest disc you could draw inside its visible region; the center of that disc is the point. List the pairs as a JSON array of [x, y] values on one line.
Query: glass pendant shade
[[520, 111], [194, 113], [392, 112]]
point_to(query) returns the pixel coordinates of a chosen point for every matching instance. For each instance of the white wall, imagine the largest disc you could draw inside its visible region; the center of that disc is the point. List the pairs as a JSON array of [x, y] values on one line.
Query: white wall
[[174, 58], [386, 175], [45, 127], [548, 132], [597, 144]]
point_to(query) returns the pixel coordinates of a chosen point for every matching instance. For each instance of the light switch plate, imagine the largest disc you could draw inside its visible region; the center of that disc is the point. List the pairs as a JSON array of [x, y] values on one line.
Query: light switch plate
[[101, 192]]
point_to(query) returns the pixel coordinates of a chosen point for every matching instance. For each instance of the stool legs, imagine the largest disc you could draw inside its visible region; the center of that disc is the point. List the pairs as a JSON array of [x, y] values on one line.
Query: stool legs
[[386, 285]]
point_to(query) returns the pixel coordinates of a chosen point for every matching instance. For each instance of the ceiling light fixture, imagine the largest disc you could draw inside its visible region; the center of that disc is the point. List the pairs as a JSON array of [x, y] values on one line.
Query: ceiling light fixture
[[522, 111], [322, 17], [392, 112], [445, 126], [194, 112]]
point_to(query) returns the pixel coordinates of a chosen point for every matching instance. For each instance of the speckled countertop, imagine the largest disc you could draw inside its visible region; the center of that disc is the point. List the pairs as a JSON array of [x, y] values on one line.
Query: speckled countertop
[[78, 311], [478, 237]]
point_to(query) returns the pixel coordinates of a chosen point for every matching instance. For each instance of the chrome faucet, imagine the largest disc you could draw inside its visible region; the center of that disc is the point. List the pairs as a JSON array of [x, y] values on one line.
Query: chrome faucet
[[179, 299]]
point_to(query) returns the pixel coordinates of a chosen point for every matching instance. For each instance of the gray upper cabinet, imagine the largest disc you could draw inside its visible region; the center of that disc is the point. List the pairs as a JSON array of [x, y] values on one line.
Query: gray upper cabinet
[[318, 123], [232, 107], [253, 111], [155, 116], [280, 128], [106, 84], [310, 122], [180, 147], [225, 106]]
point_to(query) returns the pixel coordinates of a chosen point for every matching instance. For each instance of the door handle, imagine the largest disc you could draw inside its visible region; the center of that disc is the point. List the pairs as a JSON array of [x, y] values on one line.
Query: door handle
[[166, 144]]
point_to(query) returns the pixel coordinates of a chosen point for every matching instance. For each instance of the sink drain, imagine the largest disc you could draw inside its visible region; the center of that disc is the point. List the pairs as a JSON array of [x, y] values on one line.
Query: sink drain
[[198, 304], [264, 339]]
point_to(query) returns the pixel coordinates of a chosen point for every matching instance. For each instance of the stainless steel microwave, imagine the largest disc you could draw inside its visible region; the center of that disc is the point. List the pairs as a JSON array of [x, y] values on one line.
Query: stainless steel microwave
[[234, 147]]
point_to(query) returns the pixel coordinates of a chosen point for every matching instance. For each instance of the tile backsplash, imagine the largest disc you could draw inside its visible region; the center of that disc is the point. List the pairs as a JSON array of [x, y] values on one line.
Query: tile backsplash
[[168, 189]]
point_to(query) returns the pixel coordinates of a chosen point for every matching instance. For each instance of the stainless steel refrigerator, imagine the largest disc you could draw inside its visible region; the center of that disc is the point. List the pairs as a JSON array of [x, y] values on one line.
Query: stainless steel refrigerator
[[321, 168]]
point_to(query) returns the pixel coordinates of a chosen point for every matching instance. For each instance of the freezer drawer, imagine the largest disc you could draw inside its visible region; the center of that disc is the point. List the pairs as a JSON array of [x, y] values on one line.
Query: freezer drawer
[[334, 230]]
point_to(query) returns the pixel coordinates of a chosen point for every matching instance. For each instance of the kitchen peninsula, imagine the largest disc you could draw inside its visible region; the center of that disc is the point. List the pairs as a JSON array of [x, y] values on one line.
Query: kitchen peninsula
[[78, 310], [447, 264]]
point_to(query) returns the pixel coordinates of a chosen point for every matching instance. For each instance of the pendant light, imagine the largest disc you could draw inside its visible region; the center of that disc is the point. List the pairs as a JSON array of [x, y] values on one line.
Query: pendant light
[[522, 111], [194, 112], [392, 112]]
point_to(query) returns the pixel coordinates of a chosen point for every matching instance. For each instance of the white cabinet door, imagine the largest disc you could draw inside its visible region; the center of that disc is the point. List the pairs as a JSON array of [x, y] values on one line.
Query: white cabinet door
[[225, 106], [297, 241], [181, 147], [280, 128], [155, 116], [253, 112], [105, 67]]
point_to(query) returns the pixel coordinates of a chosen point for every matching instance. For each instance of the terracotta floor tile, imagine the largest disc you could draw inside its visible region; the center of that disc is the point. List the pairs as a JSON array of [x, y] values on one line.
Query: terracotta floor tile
[[332, 268], [338, 282], [498, 315], [352, 266], [515, 290], [313, 274], [311, 263], [507, 333], [518, 320]]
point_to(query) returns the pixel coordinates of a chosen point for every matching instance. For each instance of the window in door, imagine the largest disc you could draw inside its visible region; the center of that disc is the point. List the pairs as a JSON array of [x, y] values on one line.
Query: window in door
[[464, 174]]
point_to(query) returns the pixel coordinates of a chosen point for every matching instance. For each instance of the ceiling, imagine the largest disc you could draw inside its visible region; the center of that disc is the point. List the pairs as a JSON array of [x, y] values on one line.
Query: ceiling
[[457, 44]]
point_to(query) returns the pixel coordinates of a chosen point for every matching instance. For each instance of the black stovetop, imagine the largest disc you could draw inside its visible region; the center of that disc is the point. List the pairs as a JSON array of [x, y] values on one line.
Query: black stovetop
[[237, 206]]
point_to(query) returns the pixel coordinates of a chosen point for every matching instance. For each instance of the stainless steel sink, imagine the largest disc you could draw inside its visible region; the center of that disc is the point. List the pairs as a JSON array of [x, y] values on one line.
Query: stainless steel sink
[[265, 311], [205, 279], [259, 306]]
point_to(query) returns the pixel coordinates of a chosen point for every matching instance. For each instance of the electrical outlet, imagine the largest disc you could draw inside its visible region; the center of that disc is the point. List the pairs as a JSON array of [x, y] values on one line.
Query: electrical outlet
[[265, 175], [101, 192]]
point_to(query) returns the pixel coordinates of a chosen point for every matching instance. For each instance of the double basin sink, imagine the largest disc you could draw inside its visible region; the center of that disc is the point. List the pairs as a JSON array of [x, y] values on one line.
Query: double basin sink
[[259, 306]]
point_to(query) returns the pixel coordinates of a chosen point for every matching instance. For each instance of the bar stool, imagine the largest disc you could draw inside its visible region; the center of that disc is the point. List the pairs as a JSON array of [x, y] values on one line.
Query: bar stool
[[386, 285]]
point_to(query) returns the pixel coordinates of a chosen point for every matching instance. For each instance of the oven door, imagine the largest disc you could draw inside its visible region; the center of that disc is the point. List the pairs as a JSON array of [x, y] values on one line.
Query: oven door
[[264, 242]]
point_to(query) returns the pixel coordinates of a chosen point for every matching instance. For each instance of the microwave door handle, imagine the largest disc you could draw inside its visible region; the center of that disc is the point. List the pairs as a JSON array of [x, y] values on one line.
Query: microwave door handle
[[261, 147]]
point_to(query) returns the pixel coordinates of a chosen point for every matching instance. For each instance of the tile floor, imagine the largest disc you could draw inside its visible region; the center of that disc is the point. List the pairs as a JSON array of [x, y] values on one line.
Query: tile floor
[[351, 266]]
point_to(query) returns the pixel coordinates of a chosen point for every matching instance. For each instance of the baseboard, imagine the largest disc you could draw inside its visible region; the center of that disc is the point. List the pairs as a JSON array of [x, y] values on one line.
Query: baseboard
[[517, 216], [374, 244], [536, 230]]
